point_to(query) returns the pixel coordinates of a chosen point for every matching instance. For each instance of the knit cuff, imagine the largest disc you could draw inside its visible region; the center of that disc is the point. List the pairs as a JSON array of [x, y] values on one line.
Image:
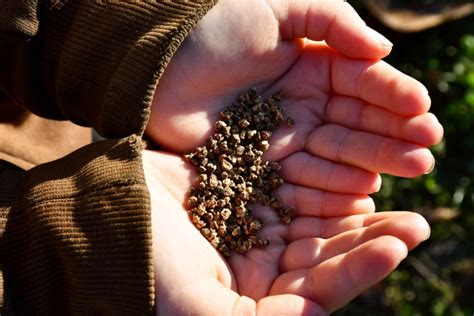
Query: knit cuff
[[75, 234], [112, 55]]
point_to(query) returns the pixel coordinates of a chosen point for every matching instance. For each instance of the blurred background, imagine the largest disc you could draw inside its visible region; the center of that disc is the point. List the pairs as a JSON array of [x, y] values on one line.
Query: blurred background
[[433, 42]]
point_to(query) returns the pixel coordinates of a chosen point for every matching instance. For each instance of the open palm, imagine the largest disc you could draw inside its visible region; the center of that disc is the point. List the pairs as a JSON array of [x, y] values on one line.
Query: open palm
[[316, 264]]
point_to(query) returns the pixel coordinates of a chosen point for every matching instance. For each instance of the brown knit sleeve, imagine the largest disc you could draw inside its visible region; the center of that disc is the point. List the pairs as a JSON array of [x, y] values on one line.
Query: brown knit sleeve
[[95, 63], [75, 234]]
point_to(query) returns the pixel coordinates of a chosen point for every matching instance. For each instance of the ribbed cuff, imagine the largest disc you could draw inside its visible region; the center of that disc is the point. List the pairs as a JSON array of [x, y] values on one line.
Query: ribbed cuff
[[112, 55], [77, 234]]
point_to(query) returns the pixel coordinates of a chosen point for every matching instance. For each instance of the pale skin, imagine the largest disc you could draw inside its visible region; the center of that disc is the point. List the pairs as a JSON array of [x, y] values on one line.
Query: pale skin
[[356, 117]]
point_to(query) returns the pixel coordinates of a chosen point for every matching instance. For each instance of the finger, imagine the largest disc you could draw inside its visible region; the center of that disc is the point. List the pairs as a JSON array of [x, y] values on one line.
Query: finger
[[338, 280], [310, 226], [336, 22], [374, 153], [424, 129], [304, 169], [287, 304], [376, 82], [314, 202], [305, 253]]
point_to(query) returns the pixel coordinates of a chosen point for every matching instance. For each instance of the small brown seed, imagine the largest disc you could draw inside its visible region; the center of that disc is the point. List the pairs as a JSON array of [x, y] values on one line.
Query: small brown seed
[[222, 230], [207, 217], [206, 232], [198, 222], [251, 134], [213, 182], [201, 209], [211, 203], [236, 138], [225, 214], [290, 122], [215, 242], [234, 129], [265, 135], [240, 211], [220, 125], [255, 225], [224, 249], [201, 152], [244, 247], [240, 187], [243, 123], [236, 231], [223, 147], [228, 191], [221, 203], [244, 195], [227, 182], [257, 108], [285, 220], [258, 118], [275, 204], [275, 166], [226, 114], [239, 151], [262, 242], [226, 165], [192, 201], [211, 167], [264, 145]]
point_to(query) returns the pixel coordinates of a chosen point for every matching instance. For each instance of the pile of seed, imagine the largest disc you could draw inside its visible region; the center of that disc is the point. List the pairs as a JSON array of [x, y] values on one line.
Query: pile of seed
[[233, 177]]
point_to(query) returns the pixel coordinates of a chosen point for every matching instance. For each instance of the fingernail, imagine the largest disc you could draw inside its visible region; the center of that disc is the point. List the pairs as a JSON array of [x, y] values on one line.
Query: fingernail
[[380, 38], [432, 167], [425, 90], [378, 184]]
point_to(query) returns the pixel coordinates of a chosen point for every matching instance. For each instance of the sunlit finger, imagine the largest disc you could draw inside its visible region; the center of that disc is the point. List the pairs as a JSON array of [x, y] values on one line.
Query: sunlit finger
[[353, 113], [304, 169], [314, 202], [338, 280], [370, 152], [411, 228], [336, 22], [311, 226], [376, 82]]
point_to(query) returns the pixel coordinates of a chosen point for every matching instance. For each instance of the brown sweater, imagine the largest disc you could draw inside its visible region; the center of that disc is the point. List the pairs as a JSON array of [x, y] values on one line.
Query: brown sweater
[[75, 229]]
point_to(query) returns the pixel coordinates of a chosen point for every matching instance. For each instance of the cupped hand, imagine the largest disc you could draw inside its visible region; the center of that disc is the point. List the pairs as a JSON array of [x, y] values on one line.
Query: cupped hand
[[326, 256], [355, 115]]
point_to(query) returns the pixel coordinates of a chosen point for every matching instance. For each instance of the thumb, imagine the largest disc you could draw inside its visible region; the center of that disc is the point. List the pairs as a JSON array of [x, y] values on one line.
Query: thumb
[[335, 22]]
